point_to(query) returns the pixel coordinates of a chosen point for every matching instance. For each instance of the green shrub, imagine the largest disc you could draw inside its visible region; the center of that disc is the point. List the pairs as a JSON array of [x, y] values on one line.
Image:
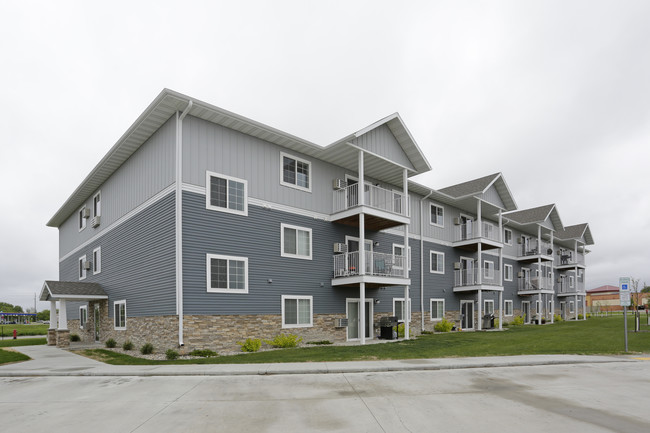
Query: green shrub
[[400, 331], [443, 326], [110, 343], [496, 322], [74, 337], [517, 321], [127, 345], [251, 345], [147, 349], [580, 316], [557, 318], [588, 315], [425, 332], [505, 324], [206, 353], [171, 354], [320, 343], [284, 340]]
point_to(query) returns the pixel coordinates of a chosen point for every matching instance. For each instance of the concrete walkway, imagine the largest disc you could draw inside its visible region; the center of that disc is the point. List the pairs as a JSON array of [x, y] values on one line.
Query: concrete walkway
[[50, 361]]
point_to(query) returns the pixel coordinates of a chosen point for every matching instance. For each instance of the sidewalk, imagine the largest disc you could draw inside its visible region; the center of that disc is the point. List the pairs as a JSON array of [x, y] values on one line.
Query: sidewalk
[[50, 361]]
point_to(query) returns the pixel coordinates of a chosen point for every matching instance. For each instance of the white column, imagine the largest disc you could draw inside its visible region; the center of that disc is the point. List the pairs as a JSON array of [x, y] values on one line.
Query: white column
[[541, 308], [540, 278], [63, 316], [53, 317], [553, 310], [407, 324], [362, 285], [584, 307], [500, 227], [500, 310], [479, 218], [479, 271], [480, 310], [576, 307]]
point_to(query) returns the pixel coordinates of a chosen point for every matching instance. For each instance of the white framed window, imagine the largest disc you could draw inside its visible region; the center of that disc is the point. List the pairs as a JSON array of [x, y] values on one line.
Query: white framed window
[[571, 281], [398, 309], [437, 215], [507, 236], [437, 261], [538, 307], [227, 274], [82, 267], [119, 315], [297, 311], [226, 193], [550, 306], [97, 260], [437, 309], [507, 306], [488, 306], [571, 307], [398, 250], [295, 172], [507, 272], [488, 270], [83, 316], [81, 218], [97, 204], [295, 241]]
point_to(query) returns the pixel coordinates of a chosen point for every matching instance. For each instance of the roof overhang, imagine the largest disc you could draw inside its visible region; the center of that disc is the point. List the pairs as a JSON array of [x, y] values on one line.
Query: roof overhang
[[71, 291]]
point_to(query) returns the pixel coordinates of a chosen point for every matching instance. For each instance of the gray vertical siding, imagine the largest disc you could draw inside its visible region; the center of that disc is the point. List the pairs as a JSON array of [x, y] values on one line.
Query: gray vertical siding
[[138, 262], [382, 142], [492, 196], [147, 172]]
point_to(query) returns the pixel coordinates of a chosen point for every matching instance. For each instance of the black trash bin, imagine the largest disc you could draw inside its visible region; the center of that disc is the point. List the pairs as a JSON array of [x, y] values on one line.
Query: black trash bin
[[488, 321], [386, 325]]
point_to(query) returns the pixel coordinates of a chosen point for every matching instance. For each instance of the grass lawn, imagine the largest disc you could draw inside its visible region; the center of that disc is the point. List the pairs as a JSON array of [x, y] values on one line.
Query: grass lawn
[[595, 336], [35, 329], [7, 356], [22, 342]]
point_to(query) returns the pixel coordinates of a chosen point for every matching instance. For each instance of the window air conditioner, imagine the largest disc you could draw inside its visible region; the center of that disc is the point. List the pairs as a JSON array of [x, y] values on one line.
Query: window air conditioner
[[95, 221], [457, 221], [520, 274], [457, 266], [341, 323], [340, 247], [339, 184], [520, 240], [87, 264], [85, 213]]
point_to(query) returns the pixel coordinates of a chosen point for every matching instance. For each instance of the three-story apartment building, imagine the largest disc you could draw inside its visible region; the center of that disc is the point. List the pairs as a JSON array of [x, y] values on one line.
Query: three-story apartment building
[[200, 228]]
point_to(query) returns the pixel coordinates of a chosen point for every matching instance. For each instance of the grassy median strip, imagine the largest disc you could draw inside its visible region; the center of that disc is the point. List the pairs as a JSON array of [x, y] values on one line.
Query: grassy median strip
[[22, 330], [595, 336], [23, 342], [7, 356]]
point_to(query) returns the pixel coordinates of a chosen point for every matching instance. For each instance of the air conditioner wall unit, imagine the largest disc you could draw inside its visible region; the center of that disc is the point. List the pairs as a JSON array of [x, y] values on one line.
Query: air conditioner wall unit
[[520, 240], [339, 184], [87, 264], [85, 213], [520, 274], [96, 221], [457, 266], [341, 323], [456, 221], [340, 247]]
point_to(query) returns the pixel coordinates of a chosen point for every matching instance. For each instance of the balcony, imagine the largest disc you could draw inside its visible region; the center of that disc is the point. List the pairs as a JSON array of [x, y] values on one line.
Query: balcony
[[567, 259], [467, 236], [381, 270], [533, 250], [563, 288], [474, 279], [382, 208], [535, 285]]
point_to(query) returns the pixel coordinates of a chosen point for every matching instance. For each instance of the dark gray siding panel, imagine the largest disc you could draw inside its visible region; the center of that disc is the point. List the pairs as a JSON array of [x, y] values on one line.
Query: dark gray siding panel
[[138, 262]]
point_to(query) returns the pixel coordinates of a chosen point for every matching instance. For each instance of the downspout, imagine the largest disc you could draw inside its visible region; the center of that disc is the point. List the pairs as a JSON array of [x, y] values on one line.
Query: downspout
[[179, 220], [422, 258]]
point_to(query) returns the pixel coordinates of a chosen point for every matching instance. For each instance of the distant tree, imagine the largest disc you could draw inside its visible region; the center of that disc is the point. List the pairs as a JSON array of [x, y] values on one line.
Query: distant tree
[[43, 315], [9, 308]]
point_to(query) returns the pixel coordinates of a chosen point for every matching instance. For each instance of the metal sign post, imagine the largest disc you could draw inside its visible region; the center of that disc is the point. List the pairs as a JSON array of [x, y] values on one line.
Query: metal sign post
[[624, 294]]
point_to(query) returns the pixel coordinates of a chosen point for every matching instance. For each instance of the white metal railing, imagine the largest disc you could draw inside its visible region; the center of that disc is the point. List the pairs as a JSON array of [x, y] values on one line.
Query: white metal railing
[[375, 197], [470, 230], [535, 283], [569, 257], [534, 248], [563, 287], [473, 277], [377, 264]]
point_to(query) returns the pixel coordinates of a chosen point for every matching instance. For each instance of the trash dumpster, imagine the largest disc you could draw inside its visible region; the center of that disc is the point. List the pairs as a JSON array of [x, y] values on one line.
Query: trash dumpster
[[488, 321], [386, 325]]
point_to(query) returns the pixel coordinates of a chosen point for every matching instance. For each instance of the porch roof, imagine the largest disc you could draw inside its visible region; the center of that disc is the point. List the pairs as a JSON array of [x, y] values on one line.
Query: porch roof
[[71, 291]]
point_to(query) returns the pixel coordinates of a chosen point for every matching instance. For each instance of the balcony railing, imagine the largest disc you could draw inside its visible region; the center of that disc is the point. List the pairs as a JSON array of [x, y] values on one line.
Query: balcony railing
[[534, 248], [377, 264], [568, 257], [473, 277], [470, 231], [375, 197], [535, 283], [563, 287]]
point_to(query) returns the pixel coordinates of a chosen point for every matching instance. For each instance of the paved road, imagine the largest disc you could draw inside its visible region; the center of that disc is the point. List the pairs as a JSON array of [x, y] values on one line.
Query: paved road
[[593, 397]]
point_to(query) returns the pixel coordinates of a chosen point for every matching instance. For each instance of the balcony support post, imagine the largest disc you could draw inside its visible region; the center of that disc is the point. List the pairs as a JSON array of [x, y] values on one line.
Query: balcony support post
[[480, 311], [407, 324], [576, 307], [552, 309], [500, 226], [479, 218], [362, 271], [479, 271], [540, 280], [361, 190], [500, 310], [584, 307]]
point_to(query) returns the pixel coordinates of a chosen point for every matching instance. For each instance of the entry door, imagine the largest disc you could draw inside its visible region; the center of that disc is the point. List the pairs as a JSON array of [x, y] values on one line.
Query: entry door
[[525, 307], [353, 319], [466, 227], [97, 324], [563, 310], [467, 312], [466, 271], [353, 261], [527, 285]]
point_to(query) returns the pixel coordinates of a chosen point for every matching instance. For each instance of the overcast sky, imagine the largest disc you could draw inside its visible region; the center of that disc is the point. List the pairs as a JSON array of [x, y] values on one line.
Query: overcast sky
[[553, 94]]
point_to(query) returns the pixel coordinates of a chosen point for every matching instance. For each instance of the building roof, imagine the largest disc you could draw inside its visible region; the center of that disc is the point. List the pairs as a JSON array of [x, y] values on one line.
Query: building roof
[[480, 186], [536, 215], [168, 103], [602, 289], [71, 291], [578, 231]]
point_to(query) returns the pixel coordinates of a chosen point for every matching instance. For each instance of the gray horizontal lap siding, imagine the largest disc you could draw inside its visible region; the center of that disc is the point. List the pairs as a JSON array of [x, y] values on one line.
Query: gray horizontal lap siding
[[382, 142], [137, 264]]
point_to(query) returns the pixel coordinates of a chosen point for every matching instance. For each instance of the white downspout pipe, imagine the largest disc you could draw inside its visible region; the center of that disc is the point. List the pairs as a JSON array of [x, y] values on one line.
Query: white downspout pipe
[[407, 318], [422, 258], [179, 220]]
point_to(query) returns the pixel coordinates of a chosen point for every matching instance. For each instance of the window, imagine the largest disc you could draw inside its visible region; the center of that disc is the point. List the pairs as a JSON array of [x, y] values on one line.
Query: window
[[488, 306], [437, 262], [227, 274], [82, 267], [488, 270], [226, 194], [507, 272], [82, 218], [119, 314], [437, 215], [296, 172], [571, 307], [437, 309], [507, 236], [83, 316], [398, 250], [398, 309], [297, 311], [97, 204], [97, 260], [507, 307], [550, 306], [538, 307], [571, 281], [295, 241]]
